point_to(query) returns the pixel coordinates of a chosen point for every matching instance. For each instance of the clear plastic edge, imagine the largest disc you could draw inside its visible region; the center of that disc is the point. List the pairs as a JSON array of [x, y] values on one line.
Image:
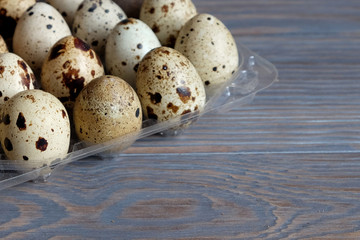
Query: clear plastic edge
[[255, 74]]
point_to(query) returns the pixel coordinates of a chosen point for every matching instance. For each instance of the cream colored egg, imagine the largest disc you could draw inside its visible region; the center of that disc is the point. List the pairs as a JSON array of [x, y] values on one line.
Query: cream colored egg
[[107, 108], [94, 20], [210, 46], [68, 67], [35, 128], [15, 76], [67, 8], [166, 17], [3, 45], [168, 85], [38, 29], [126, 45]]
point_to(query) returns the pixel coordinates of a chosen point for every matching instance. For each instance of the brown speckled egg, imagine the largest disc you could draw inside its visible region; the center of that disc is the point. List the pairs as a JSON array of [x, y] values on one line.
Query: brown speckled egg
[[10, 13], [209, 45], [68, 67], [3, 45], [166, 17], [35, 128], [130, 7], [94, 20], [15, 76], [126, 45], [107, 108], [38, 29], [67, 8], [168, 85]]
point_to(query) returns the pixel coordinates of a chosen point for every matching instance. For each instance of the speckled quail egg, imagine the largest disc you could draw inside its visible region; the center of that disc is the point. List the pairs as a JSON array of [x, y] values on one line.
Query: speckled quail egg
[[166, 17], [10, 13], [3, 45], [15, 76], [68, 67], [209, 45], [126, 45], [168, 85], [130, 7], [35, 128], [67, 8], [38, 29], [94, 20], [107, 108]]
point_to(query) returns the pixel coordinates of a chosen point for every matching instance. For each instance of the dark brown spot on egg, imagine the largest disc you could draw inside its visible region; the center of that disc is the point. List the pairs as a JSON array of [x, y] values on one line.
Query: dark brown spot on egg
[[186, 111], [207, 83], [73, 82], [123, 63], [155, 28], [165, 8], [64, 14], [139, 46], [152, 10], [56, 51], [80, 44], [8, 145], [6, 119], [165, 67], [184, 93], [31, 97], [63, 113], [80, 6], [41, 144], [92, 8], [2, 70], [137, 112], [93, 73], [21, 122], [214, 69], [49, 26], [155, 98], [26, 78], [95, 43], [25, 158], [150, 113], [0, 93], [173, 107]]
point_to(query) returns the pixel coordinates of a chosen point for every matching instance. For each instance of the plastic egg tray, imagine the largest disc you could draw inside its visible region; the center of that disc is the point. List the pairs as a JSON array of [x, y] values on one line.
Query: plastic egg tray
[[253, 75]]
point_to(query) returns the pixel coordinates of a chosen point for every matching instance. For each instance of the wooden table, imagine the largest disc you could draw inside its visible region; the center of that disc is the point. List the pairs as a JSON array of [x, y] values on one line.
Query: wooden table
[[286, 166]]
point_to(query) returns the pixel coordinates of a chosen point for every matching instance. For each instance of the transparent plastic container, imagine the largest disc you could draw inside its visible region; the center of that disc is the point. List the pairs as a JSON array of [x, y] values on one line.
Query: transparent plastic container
[[253, 75]]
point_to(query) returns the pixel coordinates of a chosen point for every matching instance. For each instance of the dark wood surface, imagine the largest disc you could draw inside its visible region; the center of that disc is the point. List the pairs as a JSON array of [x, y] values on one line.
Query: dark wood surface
[[286, 166]]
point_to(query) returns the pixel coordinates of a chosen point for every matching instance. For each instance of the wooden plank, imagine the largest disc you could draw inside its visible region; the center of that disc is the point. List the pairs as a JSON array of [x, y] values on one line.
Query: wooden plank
[[284, 167]]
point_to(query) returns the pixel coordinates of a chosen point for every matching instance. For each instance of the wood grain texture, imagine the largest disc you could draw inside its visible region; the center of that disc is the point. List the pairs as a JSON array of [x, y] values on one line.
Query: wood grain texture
[[284, 167]]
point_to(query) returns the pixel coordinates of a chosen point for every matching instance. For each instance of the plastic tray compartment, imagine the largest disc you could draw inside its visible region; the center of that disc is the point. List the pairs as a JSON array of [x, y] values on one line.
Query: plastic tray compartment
[[253, 75]]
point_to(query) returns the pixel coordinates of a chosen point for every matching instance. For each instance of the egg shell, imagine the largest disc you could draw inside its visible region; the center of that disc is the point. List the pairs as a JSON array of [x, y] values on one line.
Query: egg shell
[[38, 29], [168, 85], [67, 8], [166, 17], [94, 20], [107, 108], [35, 128], [130, 7], [68, 67], [15, 76], [210, 46], [3, 45], [126, 45]]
